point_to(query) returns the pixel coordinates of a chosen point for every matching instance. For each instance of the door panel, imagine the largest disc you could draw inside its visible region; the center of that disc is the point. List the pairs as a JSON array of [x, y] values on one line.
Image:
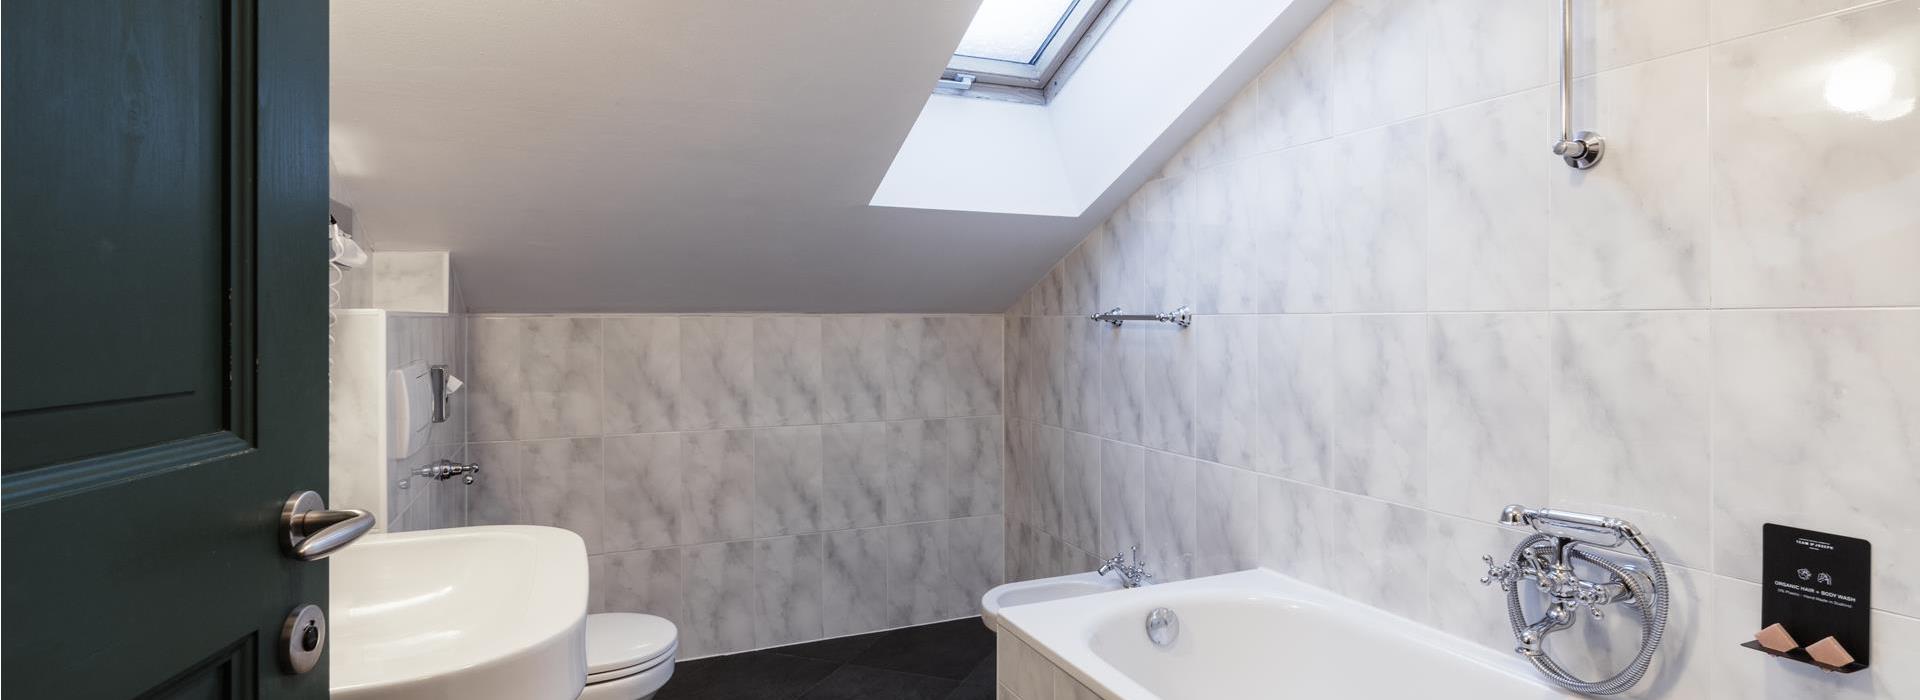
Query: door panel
[[129, 196], [164, 317]]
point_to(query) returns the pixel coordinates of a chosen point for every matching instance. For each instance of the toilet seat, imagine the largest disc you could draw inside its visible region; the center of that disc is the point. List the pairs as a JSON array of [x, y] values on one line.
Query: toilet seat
[[625, 644]]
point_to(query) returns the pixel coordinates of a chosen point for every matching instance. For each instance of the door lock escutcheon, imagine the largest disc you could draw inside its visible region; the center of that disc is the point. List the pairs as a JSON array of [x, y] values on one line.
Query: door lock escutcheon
[[303, 638]]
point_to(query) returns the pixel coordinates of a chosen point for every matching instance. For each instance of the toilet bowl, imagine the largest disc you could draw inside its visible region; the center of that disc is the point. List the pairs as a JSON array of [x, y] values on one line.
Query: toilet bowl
[[629, 655]]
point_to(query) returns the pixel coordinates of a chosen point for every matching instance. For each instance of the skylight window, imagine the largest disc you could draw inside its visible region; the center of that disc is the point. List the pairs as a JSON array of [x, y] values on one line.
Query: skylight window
[[1022, 44], [1013, 30]]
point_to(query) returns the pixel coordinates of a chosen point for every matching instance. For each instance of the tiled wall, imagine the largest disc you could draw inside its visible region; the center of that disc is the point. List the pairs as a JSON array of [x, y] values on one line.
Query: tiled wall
[[436, 339], [1412, 314], [759, 480]]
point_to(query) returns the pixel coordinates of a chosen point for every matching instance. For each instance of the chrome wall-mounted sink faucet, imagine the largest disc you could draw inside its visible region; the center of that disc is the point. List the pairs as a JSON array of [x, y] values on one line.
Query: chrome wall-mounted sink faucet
[[1131, 576]]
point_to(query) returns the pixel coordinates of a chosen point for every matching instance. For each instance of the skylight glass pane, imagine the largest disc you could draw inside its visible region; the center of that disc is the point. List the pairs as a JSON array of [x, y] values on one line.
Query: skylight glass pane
[[1012, 30]]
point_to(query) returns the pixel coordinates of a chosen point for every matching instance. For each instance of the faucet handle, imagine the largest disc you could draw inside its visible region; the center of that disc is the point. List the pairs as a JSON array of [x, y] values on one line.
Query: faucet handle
[[1593, 598], [1504, 573]]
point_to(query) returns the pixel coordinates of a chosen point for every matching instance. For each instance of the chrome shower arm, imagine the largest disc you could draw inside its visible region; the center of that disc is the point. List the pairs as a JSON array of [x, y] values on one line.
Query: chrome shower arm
[[1580, 150]]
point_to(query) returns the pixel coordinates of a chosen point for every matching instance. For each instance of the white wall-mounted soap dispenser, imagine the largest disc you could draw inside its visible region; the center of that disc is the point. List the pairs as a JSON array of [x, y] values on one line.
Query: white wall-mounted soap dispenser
[[410, 403]]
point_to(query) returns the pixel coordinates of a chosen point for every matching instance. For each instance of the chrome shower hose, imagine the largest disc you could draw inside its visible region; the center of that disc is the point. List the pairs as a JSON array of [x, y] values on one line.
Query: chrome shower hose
[[1653, 617]]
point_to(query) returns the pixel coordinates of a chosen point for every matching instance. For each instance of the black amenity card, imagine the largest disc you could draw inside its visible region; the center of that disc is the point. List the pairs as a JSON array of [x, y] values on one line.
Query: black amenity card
[[1817, 585]]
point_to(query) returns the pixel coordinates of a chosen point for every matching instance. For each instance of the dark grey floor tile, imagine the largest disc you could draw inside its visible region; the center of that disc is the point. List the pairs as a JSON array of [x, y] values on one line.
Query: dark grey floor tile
[[969, 691], [948, 650], [983, 674], [750, 676], [840, 649], [853, 682]]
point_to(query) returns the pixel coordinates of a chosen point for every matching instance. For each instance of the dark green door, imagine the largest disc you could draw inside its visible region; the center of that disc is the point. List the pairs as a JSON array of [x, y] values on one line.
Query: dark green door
[[164, 381]]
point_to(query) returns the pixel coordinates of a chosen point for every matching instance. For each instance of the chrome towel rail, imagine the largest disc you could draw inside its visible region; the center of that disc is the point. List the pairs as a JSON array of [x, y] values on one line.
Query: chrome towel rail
[[1582, 150], [1182, 316]]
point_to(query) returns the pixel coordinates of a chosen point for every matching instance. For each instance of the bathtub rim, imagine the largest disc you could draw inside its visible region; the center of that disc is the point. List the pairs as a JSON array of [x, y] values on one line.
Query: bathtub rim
[[1061, 630]]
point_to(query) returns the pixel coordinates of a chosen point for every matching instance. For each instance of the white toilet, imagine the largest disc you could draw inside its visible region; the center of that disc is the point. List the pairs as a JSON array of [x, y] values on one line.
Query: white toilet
[[629, 655]]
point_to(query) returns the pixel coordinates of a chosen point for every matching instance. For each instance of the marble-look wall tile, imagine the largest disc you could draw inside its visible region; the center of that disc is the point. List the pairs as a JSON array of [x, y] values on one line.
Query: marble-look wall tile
[[1376, 209], [1080, 492], [917, 370], [1816, 424], [722, 605], [1460, 603], [1171, 365], [855, 372], [1628, 434], [1123, 498], [787, 579], [1083, 384], [1125, 402], [1223, 372], [1119, 265], [787, 474], [1380, 406], [1379, 75], [786, 370], [1228, 276], [1291, 98], [1049, 466], [1295, 539], [1051, 339], [974, 458], [855, 596], [917, 579], [1487, 433], [1226, 526], [1082, 293], [651, 581], [1163, 244], [716, 372], [974, 365], [1608, 34], [918, 461], [1294, 394], [719, 480], [1169, 518], [1734, 18], [1289, 528], [1487, 205], [642, 389], [1484, 48], [1295, 231], [562, 368], [560, 486], [975, 562], [535, 377], [495, 498], [1634, 234], [1844, 228], [642, 482], [857, 478]]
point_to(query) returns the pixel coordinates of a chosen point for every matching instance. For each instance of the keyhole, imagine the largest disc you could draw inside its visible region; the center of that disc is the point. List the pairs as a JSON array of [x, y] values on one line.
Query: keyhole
[[310, 637]]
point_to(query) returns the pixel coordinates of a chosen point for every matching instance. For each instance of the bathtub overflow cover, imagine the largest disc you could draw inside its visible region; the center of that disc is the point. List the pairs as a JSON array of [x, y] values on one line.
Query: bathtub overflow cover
[[1162, 627]]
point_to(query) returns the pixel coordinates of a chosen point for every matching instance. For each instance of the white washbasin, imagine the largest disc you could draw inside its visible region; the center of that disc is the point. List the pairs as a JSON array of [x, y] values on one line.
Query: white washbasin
[[1040, 591], [478, 613]]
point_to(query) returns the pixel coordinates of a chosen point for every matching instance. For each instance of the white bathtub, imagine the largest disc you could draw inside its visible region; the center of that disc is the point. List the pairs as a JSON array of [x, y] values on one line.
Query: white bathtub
[[1258, 634]]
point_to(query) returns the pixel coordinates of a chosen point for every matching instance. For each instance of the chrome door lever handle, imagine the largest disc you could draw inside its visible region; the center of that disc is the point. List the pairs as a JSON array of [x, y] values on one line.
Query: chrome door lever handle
[[313, 532]]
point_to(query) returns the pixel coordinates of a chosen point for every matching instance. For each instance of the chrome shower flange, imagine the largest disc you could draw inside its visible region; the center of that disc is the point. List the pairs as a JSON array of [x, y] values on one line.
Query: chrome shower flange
[[1591, 148]]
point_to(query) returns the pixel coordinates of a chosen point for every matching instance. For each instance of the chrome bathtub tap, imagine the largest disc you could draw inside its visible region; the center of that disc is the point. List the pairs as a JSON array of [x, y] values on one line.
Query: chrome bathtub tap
[[1133, 576], [1547, 559]]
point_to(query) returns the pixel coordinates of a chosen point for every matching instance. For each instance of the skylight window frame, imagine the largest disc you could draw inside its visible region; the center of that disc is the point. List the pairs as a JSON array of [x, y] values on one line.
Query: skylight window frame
[[1072, 29]]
